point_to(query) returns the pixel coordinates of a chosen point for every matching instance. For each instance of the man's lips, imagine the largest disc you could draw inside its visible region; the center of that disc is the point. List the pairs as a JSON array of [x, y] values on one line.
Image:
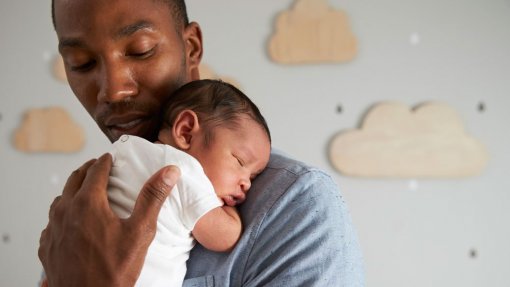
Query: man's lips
[[126, 124], [124, 121]]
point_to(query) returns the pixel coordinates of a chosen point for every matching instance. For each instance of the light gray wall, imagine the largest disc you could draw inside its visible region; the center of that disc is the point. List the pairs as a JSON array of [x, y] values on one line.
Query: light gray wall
[[413, 233]]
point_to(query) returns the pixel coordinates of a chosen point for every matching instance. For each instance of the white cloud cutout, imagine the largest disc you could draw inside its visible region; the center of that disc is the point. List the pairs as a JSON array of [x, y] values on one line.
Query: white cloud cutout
[[397, 142], [312, 32], [48, 130]]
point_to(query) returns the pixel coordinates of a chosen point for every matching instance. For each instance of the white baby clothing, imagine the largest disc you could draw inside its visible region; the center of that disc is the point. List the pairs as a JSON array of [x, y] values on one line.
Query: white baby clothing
[[135, 160]]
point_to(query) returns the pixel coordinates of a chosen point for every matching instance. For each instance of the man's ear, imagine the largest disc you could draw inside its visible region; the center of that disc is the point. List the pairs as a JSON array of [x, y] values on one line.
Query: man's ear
[[193, 44], [185, 128]]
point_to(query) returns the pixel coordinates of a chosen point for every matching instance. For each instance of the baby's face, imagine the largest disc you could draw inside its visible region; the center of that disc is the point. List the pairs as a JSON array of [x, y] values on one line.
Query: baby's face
[[233, 158]]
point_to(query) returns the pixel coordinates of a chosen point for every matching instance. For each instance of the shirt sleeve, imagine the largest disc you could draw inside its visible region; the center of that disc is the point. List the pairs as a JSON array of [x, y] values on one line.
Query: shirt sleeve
[[307, 239], [196, 192]]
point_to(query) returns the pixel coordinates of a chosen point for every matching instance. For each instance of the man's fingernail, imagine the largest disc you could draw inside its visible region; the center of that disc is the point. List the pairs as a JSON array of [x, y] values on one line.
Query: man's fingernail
[[171, 175], [104, 156]]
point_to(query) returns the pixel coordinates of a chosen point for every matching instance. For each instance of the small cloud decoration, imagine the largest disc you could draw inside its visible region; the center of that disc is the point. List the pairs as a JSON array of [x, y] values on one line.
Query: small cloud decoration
[[395, 141], [48, 130], [206, 72], [312, 32], [59, 71]]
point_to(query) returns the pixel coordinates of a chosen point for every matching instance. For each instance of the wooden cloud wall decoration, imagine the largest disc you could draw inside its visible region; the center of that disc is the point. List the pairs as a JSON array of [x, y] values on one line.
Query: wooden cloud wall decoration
[[312, 32], [206, 72], [395, 141], [59, 71], [48, 130]]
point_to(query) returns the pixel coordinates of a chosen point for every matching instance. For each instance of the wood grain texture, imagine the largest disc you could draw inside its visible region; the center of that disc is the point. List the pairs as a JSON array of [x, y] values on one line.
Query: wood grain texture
[[395, 141], [312, 32], [48, 130]]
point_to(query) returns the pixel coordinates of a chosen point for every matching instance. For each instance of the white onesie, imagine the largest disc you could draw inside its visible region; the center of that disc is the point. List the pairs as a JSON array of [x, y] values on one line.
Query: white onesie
[[135, 160]]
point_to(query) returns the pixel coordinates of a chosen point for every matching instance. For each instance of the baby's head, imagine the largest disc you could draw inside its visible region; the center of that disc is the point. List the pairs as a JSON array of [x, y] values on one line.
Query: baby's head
[[223, 129]]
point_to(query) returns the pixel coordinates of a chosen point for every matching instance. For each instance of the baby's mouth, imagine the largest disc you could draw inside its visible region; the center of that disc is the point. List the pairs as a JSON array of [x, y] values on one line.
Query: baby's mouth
[[230, 200]]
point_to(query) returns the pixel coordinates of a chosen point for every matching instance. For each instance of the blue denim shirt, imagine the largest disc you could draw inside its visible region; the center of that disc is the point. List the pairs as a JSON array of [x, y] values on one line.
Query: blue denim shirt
[[297, 232]]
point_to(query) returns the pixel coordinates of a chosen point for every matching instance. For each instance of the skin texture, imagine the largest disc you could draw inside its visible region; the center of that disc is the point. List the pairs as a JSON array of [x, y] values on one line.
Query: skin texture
[[122, 58]]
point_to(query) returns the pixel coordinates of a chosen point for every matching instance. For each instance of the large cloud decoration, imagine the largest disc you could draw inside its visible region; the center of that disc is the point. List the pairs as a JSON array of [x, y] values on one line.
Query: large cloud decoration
[[397, 142], [312, 32], [48, 130]]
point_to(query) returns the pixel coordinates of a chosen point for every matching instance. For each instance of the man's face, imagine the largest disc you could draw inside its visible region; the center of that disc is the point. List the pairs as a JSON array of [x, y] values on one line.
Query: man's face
[[123, 58]]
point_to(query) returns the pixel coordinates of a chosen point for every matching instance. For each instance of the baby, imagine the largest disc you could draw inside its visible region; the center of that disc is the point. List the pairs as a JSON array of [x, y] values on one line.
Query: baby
[[220, 141]]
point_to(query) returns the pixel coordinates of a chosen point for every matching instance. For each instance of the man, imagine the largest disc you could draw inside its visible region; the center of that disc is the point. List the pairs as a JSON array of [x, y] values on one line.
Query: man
[[122, 59]]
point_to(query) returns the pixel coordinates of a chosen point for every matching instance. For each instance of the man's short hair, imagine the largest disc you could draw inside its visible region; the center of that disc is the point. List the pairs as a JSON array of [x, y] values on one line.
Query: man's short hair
[[177, 7]]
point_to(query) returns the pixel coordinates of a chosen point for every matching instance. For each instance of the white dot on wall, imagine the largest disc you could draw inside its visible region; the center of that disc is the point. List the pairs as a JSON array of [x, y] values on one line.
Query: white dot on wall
[[413, 185], [415, 39], [47, 56], [54, 179]]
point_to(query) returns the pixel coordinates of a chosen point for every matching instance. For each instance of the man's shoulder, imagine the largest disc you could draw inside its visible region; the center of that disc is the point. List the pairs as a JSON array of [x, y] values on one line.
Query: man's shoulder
[[283, 171], [279, 162], [291, 209], [288, 180]]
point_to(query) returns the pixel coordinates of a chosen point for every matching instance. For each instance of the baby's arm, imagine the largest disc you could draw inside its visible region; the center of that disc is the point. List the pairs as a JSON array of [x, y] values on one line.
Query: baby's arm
[[219, 229]]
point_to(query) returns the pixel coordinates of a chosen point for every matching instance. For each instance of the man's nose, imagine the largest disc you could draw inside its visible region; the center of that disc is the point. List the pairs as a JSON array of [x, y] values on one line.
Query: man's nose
[[116, 82]]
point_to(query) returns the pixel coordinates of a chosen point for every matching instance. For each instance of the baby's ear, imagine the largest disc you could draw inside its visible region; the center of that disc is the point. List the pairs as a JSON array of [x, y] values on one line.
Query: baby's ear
[[185, 127]]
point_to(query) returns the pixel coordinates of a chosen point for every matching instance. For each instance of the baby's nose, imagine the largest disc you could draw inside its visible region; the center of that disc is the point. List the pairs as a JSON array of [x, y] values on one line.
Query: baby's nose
[[245, 185]]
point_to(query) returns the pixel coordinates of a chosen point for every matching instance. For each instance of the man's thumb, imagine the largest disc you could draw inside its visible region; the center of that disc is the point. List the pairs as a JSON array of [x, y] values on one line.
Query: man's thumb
[[153, 195]]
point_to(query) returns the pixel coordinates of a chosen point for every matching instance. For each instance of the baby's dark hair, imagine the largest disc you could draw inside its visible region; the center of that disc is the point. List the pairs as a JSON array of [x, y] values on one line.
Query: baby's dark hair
[[216, 103]]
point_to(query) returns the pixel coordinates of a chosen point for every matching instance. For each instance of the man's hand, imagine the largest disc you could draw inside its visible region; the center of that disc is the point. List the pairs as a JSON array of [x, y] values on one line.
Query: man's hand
[[85, 243]]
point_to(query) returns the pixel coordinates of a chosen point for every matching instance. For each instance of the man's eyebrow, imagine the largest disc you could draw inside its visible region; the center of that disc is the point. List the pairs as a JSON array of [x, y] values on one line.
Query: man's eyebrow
[[122, 32], [69, 42], [133, 28]]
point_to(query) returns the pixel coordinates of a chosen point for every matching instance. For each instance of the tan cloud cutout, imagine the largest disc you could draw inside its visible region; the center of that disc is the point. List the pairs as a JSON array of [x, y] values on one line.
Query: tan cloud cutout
[[312, 32], [48, 130], [59, 71], [397, 142], [206, 72]]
